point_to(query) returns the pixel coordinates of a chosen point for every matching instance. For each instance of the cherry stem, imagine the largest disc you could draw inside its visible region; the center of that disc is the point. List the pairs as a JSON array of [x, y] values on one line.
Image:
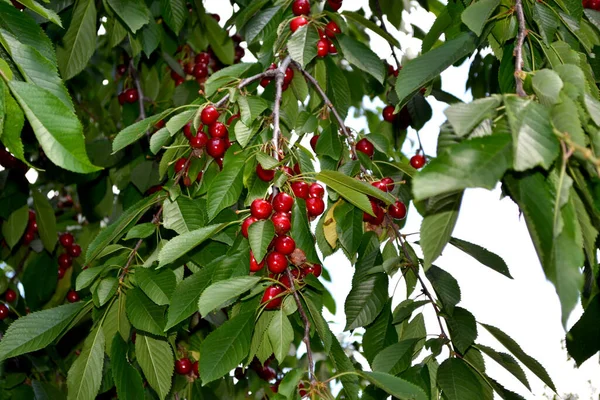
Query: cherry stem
[[519, 48]]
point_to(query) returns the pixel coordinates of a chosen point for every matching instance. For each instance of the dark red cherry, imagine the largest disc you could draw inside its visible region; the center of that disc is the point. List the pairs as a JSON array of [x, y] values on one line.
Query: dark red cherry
[[297, 22], [216, 147], [332, 29], [74, 251], [365, 147], [72, 296], [183, 366], [266, 175], [66, 240], [388, 113], [254, 265], [283, 202], [199, 141], [276, 262], [316, 190], [397, 210], [261, 209], [270, 297], [300, 189], [282, 223], [417, 161], [301, 7], [285, 245], [315, 206], [246, 224], [209, 115], [218, 129]]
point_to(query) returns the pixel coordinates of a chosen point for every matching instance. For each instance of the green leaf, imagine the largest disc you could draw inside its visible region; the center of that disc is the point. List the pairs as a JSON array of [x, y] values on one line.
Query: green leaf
[[144, 314], [342, 363], [14, 228], [349, 226], [136, 131], [105, 290], [301, 231], [183, 215], [366, 300], [516, 350], [507, 362], [227, 188], [583, 340], [223, 291], [464, 117], [396, 358], [362, 57], [476, 15], [184, 301], [219, 39], [12, 126], [266, 161], [159, 139], [226, 347], [116, 322], [360, 19], [301, 45], [395, 386], [250, 108], [133, 13], [463, 329], [482, 255], [225, 77], [244, 133], [338, 87], [42, 11], [79, 43], [175, 13], [46, 220], [380, 334], [156, 360], [316, 313], [158, 285], [405, 309], [56, 127], [85, 374], [478, 162], [565, 118], [437, 226], [127, 379], [337, 179], [458, 381], [37, 330], [260, 235], [181, 244], [547, 85], [281, 335], [445, 287], [418, 72], [534, 142], [257, 24], [46, 391]]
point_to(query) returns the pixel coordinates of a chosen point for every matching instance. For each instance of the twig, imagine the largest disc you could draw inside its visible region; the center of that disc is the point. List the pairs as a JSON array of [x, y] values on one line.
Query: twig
[[247, 81], [583, 151], [138, 86], [380, 16], [519, 48]]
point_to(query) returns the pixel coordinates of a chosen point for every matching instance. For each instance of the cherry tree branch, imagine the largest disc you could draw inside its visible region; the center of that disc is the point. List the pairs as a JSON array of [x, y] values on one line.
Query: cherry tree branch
[[138, 86], [380, 16], [247, 81], [519, 48]]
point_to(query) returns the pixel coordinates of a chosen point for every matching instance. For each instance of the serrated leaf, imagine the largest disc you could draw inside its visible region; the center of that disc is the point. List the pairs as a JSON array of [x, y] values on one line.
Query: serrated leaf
[[116, 322], [338, 87], [220, 42], [395, 358], [337, 179], [12, 126], [79, 43], [85, 375], [221, 292], [157, 285], [507, 362], [445, 286], [301, 231], [464, 117], [463, 329], [476, 15], [365, 300], [362, 56], [547, 85], [156, 360], [42, 11], [225, 76], [127, 379], [482, 255], [437, 227], [281, 335], [225, 190], [133, 13], [244, 133], [177, 122], [144, 314], [159, 139], [316, 313], [301, 45], [181, 244], [136, 131], [184, 301], [46, 220], [349, 226], [105, 290], [141, 231], [565, 118], [404, 310], [380, 334], [175, 13], [395, 386], [257, 24], [593, 108], [458, 381], [14, 228], [183, 215], [250, 108], [260, 235]]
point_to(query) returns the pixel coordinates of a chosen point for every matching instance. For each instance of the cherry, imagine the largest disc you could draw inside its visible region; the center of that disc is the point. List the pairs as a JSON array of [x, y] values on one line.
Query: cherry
[[332, 48], [283, 202], [216, 147], [266, 175], [28, 237], [187, 130], [264, 82], [232, 118], [160, 124], [74, 251], [314, 269], [32, 227], [246, 224], [315, 206], [72, 296], [365, 147], [66, 240], [3, 311], [380, 185], [254, 265], [397, 210], [285, 281], [417, 161], [322, 47], [301, 390], [301, 7], [219, 162], [180, 165], [388, 113], [261, 209], [389, 183], [31, 216], [297, 22], [289, 75], [267, 373], [200, 71], [10, 295], [332, 29], [131, 95], [334, 4], [239, 373], [282, 223], [276, 262], [270, 297], [316, 190], [17, 5], [218, 129], [202, 58], [300, 189], [209, 115], [313, 142], [179, 81], [183, 366], [297, 169], [61, 272], [175, 76], [65, 261], [284, 245], [195, 368], [188, 68], [199, 141], [379, 214], [288, 170]]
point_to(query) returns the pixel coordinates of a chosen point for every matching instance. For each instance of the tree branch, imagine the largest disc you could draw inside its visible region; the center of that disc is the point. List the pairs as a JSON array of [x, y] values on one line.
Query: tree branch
[[380, 16], [279, 77], [138, 86], [271, 73], [519, 49]]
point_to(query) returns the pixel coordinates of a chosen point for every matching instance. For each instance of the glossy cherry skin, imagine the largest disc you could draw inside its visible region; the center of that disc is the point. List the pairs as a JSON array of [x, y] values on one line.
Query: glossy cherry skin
[[379, 214], [297, 22], [209, 115], [322, 48], [195, 368], [187, 130], [261, 209], [282, 223], [289, 75], [28, 238], [315, 206], [246, 224], [216, 147], [365, 147], [202, 58], [314, 269], [180, 165], [270, 297], [397, 210], [284, 245], [183, 366], [131, 95], [283, 202], [316, 190], [332, 29], [301, 7], [72, 296], [61, 272], [300, 189], [32, 227], [199, 141], [288, 170], [389, 183], [388, 114], [313, 142], [254, 265], [65, 261], [218, 129], [276, 262], [266, 175], [417, 161], [332, 48], [3, 311], [200, 71], [380, 185], [66, 240], [10, 295], [74, 251]]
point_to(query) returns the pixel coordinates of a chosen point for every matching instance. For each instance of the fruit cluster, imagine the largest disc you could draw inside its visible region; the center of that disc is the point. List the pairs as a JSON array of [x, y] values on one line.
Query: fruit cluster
[[287, 79], [593, 4], [396, 210], [72, 250], [185, 366], [32, 229], [325, 45]]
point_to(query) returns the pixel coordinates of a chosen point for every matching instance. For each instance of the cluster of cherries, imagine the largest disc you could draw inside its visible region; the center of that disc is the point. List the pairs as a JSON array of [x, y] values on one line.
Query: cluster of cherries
[[324, 45], [32, 229], [593, 4], [396, 210], [128, 95], [72, 250], [185, 366], [287, 79], [10, 296]]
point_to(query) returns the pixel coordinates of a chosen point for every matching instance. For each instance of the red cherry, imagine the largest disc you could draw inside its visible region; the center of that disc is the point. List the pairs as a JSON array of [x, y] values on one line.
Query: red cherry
[[261, 209], [316, 190], [389, 183], [266, 175], [121, 69], [72, 296], [313, 142], [10, 295], [289, 75], [3, 311], [180, 165], [31, 215], [315, 206], [285, 281], [315, 269], [284, 245], [380, 185], [404, 118], [175, 76], [61, 272], [28, 237], [219, 162], [199, 141], [332, 29], [322, 47], [66, 240], [264, 82], [301, 390], [160, 124], [218, 129], [121, 98], [187, 130], [366, 147], [183, 366], [282, 223], [246, 224], [188, 68], [283, 202], [209, 115], [202, 58], [131, 95], [232, 118], [297, 169], [297, 23], [417, 161], [65, 261], [216, 17], [179, 81], [332, 48], [288, 170], [216, 147], [379, 214], [300, 189], [200, 71], [254, 265], [397, 210], [270, 297], [276, 262], [74, 251], [388, 113], [334, 4], [301, 7]]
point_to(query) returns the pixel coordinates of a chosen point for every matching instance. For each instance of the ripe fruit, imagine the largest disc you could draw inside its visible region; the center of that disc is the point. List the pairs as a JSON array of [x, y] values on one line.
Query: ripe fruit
[[254, 265], [74, 251], [131, 95], [160, 124], [264, 82], [188, 68], [388, 113], [297, 23], [195, 368], [284, 245], [180, 165], [202, 58], [266, 175], [397, 210], [313, 142], [332, 29], [332, 48], [187, 130], [315, 206], [316, 190], [61, 272], [216, 147], [366, 147], [10, 295], [270, 297], [289, 75], [334, 4], [379, 214], [283, 202], [246, 224], [65, 261], [261, 209], [209, 115], [183, 366], [300, 189], [72, 296], [404, 118], [301, 7], [218, 129], [322, 49], [200, 71], [285, 281], [28, 238], [282, 223], [297, 169], [288, 170], [380, 185], [31, 216], [276, 262], [417, 161], [3, 311], [66, 240], [199, 141], [314, 269], [389, 183]]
